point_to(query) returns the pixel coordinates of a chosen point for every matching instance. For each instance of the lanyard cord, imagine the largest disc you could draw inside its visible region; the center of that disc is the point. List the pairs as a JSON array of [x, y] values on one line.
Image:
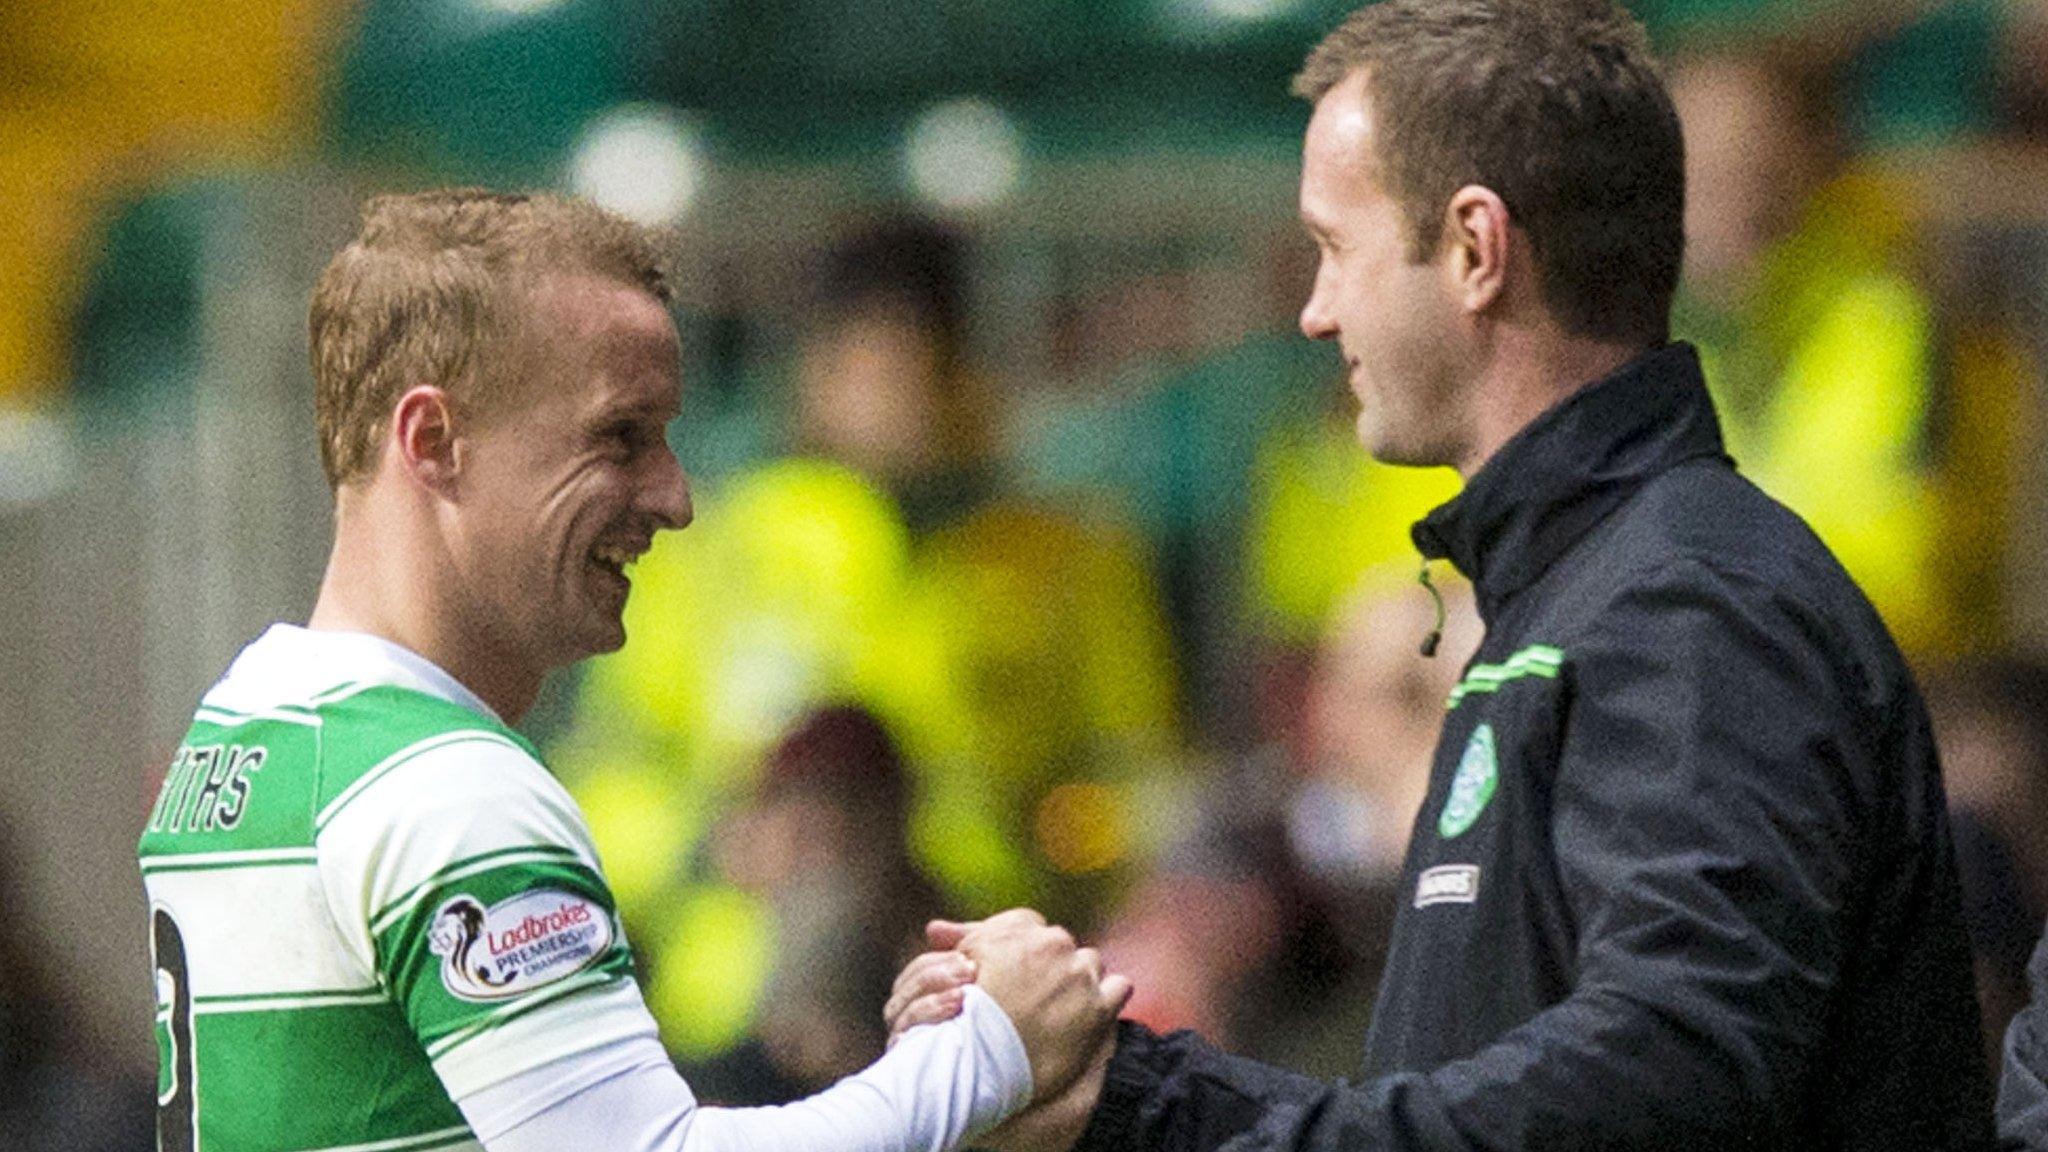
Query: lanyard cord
[[1436, 634]]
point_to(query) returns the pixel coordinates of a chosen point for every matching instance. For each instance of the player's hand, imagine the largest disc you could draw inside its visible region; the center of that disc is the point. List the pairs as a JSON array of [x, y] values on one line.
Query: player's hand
[[1054, 992], [1056, 1124], [930, 989]]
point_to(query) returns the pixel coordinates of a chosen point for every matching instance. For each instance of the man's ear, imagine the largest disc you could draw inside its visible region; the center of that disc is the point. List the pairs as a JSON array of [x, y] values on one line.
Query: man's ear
[[423, 437], [1477, 232]]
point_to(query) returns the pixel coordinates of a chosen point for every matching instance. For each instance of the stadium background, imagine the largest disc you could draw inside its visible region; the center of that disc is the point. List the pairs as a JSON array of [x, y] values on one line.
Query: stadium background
[[1034, 562]]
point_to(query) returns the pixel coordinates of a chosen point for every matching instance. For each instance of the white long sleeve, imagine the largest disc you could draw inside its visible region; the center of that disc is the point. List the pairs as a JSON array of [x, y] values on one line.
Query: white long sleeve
[[941, 1084]]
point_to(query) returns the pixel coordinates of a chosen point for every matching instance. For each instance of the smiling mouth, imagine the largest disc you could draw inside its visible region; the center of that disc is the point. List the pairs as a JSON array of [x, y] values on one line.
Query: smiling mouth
[[614, 558]]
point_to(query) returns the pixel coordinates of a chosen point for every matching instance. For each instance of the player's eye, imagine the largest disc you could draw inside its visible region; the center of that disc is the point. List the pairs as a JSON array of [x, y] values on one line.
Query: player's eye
[[624, 437]]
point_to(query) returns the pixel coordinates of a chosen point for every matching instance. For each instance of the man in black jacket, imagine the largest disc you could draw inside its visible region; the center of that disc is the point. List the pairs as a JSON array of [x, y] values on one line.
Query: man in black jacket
[[1683, 878]]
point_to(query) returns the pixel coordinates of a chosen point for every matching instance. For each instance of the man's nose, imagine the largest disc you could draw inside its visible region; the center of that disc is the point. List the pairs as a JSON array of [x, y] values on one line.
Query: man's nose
[[1317, 323], [671, 505]]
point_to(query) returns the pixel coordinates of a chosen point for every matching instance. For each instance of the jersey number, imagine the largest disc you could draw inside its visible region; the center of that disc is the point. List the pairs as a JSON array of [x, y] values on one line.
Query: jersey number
[[177, 1104]]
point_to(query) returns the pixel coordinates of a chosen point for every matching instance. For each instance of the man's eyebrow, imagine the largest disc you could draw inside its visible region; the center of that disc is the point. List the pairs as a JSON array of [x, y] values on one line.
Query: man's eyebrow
[[658, 410]]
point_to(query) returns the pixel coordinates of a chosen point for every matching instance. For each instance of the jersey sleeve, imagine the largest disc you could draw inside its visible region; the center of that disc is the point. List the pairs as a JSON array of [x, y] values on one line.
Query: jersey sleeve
[[941, 1085], [464, 877]]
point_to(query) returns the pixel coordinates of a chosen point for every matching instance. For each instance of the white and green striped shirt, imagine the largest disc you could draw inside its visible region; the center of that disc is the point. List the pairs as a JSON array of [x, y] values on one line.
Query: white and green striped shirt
[[366, 895]]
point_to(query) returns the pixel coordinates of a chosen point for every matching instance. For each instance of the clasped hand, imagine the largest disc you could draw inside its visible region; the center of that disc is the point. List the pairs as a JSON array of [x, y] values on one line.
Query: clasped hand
[[1063, 1006]]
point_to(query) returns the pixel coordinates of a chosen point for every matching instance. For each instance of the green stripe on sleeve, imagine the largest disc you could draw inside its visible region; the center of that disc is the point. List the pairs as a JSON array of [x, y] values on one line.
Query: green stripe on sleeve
[[384, 917], [1537, 660], [500, 1017]]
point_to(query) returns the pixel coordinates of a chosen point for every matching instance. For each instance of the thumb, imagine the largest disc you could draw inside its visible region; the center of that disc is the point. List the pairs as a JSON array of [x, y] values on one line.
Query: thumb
[[1116, 990], [945, 935]]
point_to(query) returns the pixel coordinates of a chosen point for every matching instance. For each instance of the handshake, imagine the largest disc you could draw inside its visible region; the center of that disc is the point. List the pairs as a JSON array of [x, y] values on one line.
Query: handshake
[[1063, 1006]]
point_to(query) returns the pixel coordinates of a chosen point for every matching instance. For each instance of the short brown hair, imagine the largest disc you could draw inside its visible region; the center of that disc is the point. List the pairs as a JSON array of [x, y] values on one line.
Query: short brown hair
[[427, 290], [1554, 105]]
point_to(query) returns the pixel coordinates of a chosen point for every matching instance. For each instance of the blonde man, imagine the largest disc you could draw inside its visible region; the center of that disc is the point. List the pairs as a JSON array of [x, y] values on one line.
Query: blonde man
[[378, 923]]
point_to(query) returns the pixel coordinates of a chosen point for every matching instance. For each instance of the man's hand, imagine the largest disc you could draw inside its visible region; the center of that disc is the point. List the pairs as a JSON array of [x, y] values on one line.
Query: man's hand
[[1055, 1124], [1053, 992]]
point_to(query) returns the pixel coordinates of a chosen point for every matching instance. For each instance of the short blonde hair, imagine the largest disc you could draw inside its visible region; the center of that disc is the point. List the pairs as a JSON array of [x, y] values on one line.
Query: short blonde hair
[[428, 291]]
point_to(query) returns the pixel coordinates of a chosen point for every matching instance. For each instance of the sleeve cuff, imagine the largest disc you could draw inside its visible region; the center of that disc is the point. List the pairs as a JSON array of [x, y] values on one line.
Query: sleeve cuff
[[996, 1034], [1127, 1084]]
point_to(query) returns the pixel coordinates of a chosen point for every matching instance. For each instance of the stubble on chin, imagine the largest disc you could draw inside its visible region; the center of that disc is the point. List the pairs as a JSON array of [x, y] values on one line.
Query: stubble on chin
[[1413, 451], [1379, 440], [1419, 436]]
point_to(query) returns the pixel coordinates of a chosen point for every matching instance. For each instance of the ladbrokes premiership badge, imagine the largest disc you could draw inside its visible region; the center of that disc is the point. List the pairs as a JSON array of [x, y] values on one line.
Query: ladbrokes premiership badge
[[518, 944]]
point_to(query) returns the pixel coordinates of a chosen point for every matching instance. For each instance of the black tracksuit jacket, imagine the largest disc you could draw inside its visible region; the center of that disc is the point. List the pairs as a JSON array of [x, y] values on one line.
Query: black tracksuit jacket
[[1683, 878], [2023, 1086]]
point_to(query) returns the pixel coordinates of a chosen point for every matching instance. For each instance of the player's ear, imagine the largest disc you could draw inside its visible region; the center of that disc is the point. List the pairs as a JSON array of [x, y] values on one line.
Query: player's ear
[[423, 436], [1476, 230]]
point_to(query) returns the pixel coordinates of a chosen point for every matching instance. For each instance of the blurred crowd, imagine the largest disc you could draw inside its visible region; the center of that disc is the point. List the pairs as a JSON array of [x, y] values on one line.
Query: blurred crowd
[[1213, 762], [1141, 649], [1134, 637]]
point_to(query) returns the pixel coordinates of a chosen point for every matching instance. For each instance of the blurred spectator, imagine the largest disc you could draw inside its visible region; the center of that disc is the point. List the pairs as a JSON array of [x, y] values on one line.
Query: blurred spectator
[[883, 384], [1325, 514], [1818, 341], [822, 844], [1242, 467], [1991, 721], [54, 1095], [1266, 927], [1013, 648]]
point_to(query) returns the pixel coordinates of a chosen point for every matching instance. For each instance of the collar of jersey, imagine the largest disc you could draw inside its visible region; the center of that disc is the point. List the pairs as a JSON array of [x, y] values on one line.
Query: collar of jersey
[[291, 665]]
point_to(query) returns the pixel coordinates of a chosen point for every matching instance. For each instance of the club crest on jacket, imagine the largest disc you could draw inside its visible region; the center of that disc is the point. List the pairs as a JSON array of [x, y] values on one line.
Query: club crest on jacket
[[1478, 775]]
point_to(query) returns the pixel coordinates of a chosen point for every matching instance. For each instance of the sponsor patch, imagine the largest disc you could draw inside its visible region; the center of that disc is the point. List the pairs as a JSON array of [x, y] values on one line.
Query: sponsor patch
[[1447, 884], [518, 944]]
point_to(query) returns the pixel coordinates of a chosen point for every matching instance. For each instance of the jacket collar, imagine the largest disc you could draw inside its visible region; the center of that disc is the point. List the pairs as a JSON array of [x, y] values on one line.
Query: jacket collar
[[1558, 477]]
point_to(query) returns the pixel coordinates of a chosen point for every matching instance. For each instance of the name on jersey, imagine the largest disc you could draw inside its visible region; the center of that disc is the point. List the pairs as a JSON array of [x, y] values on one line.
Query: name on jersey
[[518, 944], [207, 788]]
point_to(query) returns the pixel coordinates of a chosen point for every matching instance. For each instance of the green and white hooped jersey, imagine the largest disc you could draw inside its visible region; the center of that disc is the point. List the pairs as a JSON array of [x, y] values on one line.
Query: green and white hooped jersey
[[367, 899]]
